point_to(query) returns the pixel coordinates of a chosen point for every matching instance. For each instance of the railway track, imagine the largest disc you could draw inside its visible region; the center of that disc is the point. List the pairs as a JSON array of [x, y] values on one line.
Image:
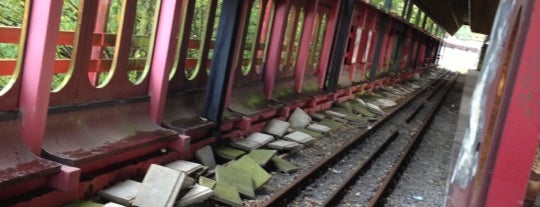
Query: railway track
[[364, 171]]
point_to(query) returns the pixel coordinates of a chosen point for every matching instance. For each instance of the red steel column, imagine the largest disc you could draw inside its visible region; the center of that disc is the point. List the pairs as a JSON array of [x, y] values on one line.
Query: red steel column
[[163, 57], [38, 70], [307, 38], [99, 28], [274, 50], [331, 20], [521, 122]]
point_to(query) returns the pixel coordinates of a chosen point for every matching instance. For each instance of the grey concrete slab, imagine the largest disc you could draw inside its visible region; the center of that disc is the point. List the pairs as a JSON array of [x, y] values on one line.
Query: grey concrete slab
[[160, 187], [335, 114], [340, 120], [361, 102], [331, 123], [277, 127], [284, 145], [375, 109], [237, 178], [123, 192], [229, 152], [283, 165], [206, 156], [317, 116], [262, 156], [260, 138], [207, 182], [391, 96], [197, 194], [344, 108], [299, 118], [247, 165], [386, 102], [319, 128], [299, 137], [110, 204], [362, 110], [311, 133], [83, 204], [188, 182], [190, 168], [227, 194], [245, 144]]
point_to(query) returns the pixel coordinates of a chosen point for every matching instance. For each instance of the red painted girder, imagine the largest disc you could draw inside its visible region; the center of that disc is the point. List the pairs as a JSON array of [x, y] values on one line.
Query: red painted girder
[[37, 71], [521, 121]]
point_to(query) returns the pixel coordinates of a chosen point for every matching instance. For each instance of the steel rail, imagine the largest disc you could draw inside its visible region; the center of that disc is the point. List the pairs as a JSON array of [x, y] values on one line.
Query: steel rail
[[282, 197], [335, 197], [391, 179]]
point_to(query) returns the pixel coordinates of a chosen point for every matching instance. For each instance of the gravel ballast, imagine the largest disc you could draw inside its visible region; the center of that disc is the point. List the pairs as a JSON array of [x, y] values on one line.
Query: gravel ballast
[[424, 181]]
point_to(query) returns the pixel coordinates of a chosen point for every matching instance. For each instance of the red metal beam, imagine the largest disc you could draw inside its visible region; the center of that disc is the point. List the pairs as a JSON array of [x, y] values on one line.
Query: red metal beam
[[307, 40], [99, 27], [276, 46], [331, 20], [521, 120], [163, 57], [38, 70]]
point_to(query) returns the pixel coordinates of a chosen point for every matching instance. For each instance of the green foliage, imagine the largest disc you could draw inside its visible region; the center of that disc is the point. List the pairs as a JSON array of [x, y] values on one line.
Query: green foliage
[[465, 33], [113, 20], [251, 47], [397, 6], [68, 22], [377, 3], [296, 43], [140, 43], [316, 45], [11, 15], [201, 17], [8, 51]]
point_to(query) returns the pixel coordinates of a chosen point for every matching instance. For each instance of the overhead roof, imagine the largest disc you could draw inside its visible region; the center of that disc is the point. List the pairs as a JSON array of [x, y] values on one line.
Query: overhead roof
[[452, 14]]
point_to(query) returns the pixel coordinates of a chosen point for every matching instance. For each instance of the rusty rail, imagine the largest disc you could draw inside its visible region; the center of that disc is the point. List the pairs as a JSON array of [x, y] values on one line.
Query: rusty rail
[[285, 195]]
